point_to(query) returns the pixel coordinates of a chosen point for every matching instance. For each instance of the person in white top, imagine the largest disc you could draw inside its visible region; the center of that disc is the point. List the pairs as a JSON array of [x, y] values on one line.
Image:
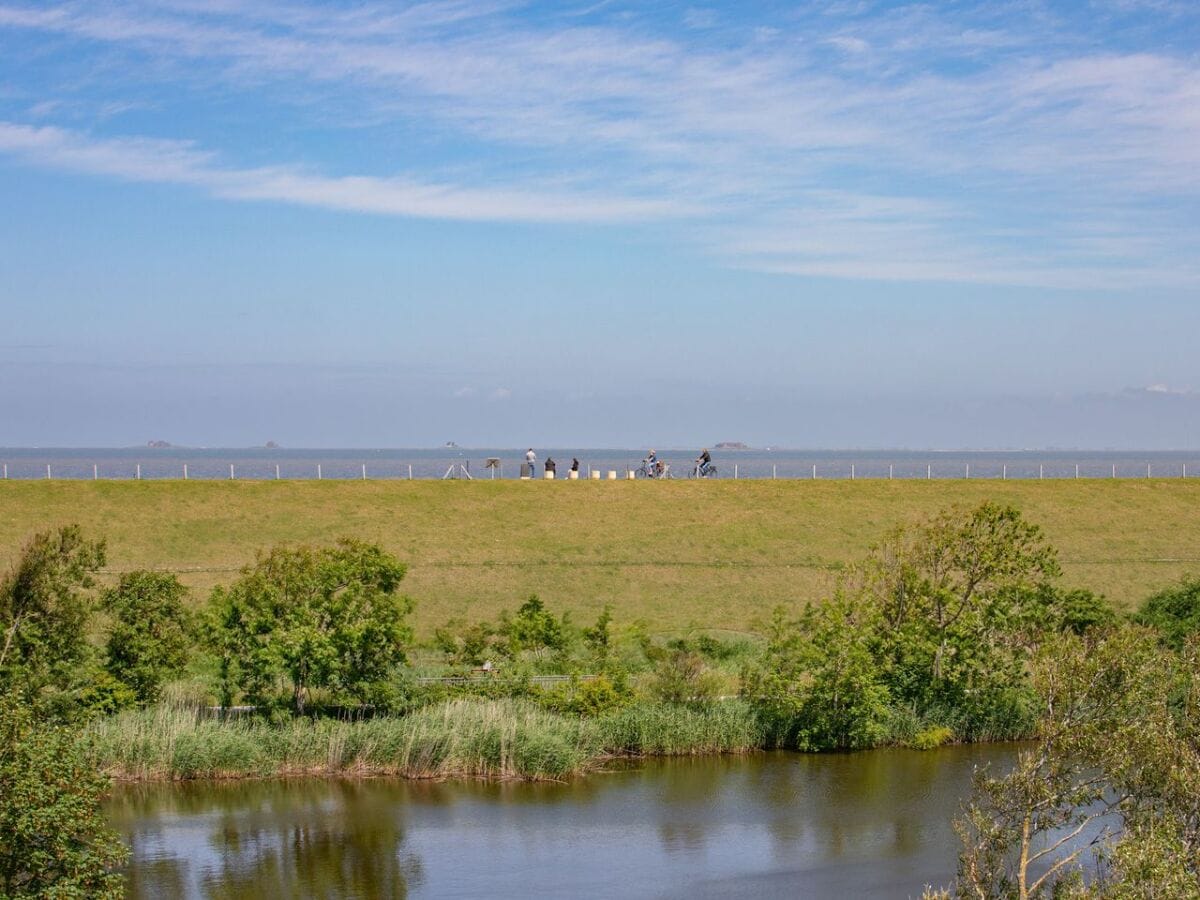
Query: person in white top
[[531, 461]]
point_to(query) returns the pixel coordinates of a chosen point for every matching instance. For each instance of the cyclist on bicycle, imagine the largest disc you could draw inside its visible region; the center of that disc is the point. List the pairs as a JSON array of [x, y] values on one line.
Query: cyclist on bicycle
[[703, 462], [654, 466]]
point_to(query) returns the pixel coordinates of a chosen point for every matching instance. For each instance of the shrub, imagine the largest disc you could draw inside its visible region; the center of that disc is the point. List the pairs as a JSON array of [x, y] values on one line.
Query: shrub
[[318, 617], [533, 628], [1174, 612], [44, 609], [931, 738], [588, 698], [599, 637], [818, 686], [54, 840], [149, 637], [104, 695], [683, 677]]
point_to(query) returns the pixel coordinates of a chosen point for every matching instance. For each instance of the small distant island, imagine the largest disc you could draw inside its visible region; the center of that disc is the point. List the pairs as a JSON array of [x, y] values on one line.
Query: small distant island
[[731, 445], [159, 445], [271, 445]]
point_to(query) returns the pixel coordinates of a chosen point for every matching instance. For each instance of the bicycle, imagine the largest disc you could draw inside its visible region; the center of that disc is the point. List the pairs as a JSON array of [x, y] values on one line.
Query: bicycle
[[661, 470], [698, 471]]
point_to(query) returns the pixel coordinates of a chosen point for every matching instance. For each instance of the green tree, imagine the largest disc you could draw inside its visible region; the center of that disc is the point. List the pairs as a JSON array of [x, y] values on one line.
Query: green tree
[[951, 593], [534, 628], [469, 645], [327, 617], [818, 680], [1175, 611], [54, 840], [599, 637], [44, 610], [1115, 771], [149, 638]]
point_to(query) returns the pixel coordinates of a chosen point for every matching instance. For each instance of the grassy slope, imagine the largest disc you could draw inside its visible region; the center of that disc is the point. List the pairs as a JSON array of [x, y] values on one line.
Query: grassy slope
[[718, 554]]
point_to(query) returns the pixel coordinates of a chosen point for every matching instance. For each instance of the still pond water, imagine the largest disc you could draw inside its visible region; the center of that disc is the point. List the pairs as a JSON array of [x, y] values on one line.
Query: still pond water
[[871, 824]]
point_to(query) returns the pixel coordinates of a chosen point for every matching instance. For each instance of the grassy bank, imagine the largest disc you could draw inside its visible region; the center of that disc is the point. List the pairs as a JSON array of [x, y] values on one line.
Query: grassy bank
[[717, 554], [460, 738]]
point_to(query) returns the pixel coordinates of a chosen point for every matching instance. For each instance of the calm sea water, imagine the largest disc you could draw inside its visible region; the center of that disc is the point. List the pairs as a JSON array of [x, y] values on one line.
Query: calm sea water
[[263, 463], [875, 824]]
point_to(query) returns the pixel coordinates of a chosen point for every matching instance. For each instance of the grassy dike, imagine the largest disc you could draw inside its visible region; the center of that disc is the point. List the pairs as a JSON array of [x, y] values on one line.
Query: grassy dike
[[458, 738], [674, 554]]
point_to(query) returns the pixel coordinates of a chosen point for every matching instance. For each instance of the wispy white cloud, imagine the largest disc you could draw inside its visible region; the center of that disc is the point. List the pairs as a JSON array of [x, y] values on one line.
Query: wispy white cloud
[[178, 162], [968, 145]]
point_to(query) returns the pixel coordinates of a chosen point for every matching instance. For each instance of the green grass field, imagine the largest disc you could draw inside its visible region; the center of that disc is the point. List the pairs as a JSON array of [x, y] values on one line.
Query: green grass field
[[676, 554]]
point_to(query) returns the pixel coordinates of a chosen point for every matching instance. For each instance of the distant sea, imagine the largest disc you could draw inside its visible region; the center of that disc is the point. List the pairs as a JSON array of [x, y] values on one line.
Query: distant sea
[[264, 463]]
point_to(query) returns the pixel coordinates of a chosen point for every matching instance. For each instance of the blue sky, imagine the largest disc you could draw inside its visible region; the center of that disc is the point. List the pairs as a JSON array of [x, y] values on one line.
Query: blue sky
[[395, 224]]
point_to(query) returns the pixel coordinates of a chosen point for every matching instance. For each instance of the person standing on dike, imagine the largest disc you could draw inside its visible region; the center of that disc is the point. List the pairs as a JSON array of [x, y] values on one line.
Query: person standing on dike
[[531, 461]]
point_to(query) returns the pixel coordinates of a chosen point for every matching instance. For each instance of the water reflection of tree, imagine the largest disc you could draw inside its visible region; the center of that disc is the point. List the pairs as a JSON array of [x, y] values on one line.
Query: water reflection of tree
[[275, 839], [823, 807], [316, 839], [874, 804]]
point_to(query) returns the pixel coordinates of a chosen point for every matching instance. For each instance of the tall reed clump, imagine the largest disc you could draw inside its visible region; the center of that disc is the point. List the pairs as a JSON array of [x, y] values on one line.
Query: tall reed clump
[[140, 744], [665, 729], [496, 739], [499, 738]]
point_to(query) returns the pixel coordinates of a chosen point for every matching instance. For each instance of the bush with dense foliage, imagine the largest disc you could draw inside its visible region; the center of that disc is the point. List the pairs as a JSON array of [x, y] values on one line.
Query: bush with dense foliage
[[319, 618], [45, 604], [54, 841], [149, 637], [819, 685], [934, 630], [1175, 612]]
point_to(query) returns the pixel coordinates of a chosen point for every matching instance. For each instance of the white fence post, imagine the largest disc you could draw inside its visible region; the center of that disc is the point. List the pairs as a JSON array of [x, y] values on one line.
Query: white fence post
[[889, 471], [276, 471], [968, 475], [95, 472], [364, 471], [735, 471], [318, 471], [1004, 473], [6, 471], [231, 471], [410, 471], [814, 471], [47, 471], [1041, 471], [139, 471], [1147, 470], [185, 477], [1114, 470], [851, 471], [772, 472], [1076, 470], [928, 472]]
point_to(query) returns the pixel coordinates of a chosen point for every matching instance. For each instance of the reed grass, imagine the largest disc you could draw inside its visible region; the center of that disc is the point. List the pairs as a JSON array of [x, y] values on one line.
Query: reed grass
[[458, 738]]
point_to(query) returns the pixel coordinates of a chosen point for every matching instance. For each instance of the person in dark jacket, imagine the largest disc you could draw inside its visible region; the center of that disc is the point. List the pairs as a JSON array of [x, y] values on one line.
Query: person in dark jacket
[[551, 465]]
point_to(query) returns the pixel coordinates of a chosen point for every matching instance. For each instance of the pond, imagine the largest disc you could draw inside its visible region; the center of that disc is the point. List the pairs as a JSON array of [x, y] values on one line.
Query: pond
[[874, 824]]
